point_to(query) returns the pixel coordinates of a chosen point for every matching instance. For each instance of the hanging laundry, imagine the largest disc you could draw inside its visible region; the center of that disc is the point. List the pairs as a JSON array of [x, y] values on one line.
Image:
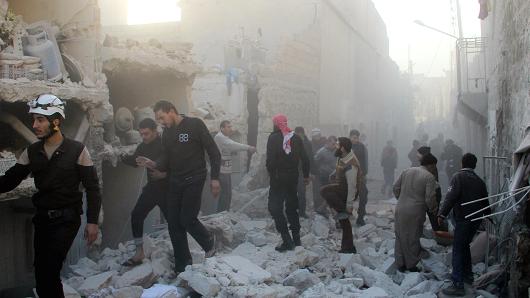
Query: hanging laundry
[[484, 9]]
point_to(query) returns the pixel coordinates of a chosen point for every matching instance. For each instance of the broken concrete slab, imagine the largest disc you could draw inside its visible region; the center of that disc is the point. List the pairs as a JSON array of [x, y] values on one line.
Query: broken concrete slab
[[426, 286], [165, 291], [202, 284], [365, 230], [69, 292], [301, 279], [320, 227], [96, 283], [128, 292], [245, 271], [139, 276], [411, 280], [305, 258], [374, 292], [257, 238]]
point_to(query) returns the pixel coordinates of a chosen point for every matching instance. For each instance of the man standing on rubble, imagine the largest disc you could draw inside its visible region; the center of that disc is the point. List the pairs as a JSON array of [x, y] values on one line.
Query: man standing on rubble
[[301, 190], [465, 186], [362, 156], [184, 142], [326, 161], [413, 154], [285, 152], [389, 159], [452, 155], [154, 192], [227, 146], [58, 165], [342, 192], [415, 190]]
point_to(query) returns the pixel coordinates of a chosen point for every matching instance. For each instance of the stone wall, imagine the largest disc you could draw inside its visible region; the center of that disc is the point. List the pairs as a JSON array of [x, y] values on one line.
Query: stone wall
[[509, 73]]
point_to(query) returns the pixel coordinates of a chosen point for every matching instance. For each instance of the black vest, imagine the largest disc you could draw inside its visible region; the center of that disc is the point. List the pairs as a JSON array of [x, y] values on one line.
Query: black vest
[[57, 179]]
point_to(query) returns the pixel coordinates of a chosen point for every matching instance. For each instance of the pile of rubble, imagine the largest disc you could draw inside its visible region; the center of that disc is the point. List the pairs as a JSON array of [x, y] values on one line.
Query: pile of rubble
[[247, 264]]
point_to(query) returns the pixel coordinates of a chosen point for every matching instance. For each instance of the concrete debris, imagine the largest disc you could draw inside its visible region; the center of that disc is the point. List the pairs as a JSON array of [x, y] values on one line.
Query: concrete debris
[[139, 276], [69, 292], [128, 292], [320, 227], [365, 230], [426, 286], [164, 291], [301, 279], [247, 265], [96, 283], [204, 285]]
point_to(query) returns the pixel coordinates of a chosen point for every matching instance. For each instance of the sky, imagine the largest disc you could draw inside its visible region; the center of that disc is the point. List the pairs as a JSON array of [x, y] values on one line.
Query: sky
[[152, 11], [430, 51]]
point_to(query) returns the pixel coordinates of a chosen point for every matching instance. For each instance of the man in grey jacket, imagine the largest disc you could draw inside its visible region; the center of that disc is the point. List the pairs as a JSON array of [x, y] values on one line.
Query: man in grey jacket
[[227, 147]]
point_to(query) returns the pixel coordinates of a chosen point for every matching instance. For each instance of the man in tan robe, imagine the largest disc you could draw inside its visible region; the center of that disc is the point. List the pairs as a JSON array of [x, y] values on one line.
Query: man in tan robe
[[415, 190]]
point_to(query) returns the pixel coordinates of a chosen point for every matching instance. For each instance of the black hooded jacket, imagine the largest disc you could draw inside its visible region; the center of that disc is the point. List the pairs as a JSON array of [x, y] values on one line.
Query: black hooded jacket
[[465, 186], [278, 162]]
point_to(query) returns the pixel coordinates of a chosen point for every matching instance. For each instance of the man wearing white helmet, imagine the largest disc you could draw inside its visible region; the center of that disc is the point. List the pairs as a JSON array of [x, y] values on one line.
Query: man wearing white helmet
[[58, 165]]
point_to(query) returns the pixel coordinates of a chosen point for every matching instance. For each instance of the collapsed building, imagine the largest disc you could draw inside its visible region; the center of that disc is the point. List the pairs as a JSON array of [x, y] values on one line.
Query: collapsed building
[[326, 67]]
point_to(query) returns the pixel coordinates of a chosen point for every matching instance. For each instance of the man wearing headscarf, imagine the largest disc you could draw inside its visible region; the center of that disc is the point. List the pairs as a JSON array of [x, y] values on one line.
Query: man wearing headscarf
[[415, 190], [285, 152]]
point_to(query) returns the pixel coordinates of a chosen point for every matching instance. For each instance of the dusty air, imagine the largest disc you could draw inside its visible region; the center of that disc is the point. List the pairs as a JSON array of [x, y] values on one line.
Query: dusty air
[[264, 148]]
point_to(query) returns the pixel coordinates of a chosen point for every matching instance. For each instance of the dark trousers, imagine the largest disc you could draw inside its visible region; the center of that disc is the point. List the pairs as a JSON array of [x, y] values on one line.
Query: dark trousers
[[363, 200], [464, 232], [153, 194], [301, 191], [318, 201], [225, 197], [336, 196], [284, 201], [52, 240], [183, 205]]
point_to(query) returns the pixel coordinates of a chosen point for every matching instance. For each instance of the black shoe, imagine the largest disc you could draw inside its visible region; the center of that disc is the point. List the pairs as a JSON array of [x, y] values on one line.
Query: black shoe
[[402, 269], [414, 269], [287, 243], [348, 250], [296, 239], [360, 222], [455, 290]]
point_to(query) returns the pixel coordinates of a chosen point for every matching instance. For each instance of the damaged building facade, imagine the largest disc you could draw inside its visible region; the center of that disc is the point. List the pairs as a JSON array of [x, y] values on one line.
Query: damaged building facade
[[326, 66]]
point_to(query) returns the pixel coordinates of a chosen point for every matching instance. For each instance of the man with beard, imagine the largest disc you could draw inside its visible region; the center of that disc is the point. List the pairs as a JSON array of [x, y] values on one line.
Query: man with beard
[[58, 165], [184, 141], [359, 149], [285, 153], [342, 192], [415, 190]]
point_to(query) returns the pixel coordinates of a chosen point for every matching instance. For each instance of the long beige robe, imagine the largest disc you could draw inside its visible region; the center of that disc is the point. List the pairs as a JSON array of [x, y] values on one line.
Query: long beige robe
[[415, 190]]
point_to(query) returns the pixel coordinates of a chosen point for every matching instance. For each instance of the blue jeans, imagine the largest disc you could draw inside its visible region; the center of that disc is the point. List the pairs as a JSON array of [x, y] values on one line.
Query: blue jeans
[[464, 232]]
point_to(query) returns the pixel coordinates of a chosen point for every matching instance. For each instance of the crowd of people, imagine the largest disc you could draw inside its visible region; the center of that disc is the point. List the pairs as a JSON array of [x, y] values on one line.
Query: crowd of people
[[177, 171]]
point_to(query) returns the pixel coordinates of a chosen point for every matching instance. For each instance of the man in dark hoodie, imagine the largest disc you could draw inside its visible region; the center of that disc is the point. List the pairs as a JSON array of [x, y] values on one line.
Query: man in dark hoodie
[[299, 131], [465, 186], [285, 153]]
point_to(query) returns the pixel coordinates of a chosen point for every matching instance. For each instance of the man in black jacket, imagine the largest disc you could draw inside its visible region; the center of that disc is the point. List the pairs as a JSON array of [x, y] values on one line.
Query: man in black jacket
[[465, 186], [285, 152], [184, 142], [58, 165], [362, 155], [154, 192], [299, 131]]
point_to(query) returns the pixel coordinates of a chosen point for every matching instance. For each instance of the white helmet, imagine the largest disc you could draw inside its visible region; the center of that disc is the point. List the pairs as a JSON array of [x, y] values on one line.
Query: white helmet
[[47, 105]]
